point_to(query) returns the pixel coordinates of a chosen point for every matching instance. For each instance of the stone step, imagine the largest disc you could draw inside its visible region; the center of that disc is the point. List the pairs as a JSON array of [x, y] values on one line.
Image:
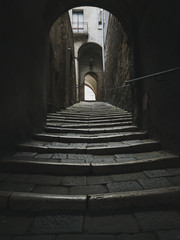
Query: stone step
[[88, 125], [95, 167], [63, 120], [90, 139], [131, 146], [88, 117], [102, 113], [90, 193], [130, 128], [92, 203]]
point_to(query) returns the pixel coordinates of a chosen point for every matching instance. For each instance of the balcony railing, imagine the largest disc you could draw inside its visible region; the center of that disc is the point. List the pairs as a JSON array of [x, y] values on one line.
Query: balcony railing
[[80, 28]]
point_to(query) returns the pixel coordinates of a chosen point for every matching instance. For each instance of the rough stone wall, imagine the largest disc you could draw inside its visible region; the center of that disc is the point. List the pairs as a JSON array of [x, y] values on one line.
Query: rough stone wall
[[61, 84], [158, 50], [119, 65], [24, 47]]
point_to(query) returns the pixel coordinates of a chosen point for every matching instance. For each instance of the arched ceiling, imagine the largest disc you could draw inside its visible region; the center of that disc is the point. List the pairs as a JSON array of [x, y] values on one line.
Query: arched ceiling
[[124, 10], [90, 49], [91, 82]]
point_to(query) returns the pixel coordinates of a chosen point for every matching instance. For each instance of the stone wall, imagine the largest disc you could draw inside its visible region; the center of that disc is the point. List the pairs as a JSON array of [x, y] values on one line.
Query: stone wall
[[62, 82], [119, 65], [158, 45], [152, 25]]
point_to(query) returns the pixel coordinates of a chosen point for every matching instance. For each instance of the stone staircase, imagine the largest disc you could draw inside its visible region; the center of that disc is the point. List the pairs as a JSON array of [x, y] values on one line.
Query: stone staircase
[[90, 165]]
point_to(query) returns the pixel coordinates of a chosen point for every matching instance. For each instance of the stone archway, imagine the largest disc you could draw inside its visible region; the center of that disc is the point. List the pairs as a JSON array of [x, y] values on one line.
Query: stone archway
[[91, 81], [90, 62]]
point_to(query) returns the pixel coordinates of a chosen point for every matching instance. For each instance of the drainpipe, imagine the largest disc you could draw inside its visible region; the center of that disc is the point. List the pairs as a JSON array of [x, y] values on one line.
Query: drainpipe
[[103, 60]]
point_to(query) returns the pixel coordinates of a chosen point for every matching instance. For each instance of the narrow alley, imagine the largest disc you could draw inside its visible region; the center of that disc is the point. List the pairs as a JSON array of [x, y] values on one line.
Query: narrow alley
[[89, 120], [90, 175]]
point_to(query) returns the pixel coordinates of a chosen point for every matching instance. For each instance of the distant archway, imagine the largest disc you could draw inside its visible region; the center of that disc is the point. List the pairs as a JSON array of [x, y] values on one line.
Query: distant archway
[[90, 86], [89, 94], [90, 67]]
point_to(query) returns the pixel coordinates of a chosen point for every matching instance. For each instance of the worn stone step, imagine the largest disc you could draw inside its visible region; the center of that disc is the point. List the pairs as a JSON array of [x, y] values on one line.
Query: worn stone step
[[131, 146], [89, 125], [40, 166], [61, 120], [130, 128], [103, 113], [39, 202], [95, 118], [134, 199], [90, 139]]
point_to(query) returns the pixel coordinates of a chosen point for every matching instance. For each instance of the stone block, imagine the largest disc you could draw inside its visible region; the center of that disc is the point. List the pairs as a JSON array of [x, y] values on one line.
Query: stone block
[[123, 223], [169, 235], [59, 156], [17, 178], [4, 199], [3, 176], [155, 183], [3, 237], [96, 180], [14, 225], [36, 237], [44, 156], [51, 189], [86, 237], [93, 189], [175, 180], [73, 181], [72, 161], [44, 180], [174, 171], [138, 236], [128, 176], [25, 154], [57, 224], [18, 187], [158, 220], [124, 186], [157, 173]]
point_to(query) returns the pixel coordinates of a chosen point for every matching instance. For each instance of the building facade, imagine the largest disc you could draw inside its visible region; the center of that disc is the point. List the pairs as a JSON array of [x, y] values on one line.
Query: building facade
[[88, 32]]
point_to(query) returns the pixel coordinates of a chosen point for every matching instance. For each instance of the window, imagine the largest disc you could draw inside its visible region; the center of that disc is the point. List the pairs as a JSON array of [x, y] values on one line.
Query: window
[[100, 17], [78, 21]]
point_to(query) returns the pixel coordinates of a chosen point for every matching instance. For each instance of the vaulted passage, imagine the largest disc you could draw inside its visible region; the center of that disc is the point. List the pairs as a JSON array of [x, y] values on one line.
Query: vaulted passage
[[75, 169]]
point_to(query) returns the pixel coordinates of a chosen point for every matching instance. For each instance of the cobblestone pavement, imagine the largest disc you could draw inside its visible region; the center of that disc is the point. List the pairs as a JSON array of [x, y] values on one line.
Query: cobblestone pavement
[[91, 174]]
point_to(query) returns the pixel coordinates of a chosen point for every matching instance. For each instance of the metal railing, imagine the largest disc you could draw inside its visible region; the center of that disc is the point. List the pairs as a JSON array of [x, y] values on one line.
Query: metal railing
[[127, 82], [153, 75], [80, 28]]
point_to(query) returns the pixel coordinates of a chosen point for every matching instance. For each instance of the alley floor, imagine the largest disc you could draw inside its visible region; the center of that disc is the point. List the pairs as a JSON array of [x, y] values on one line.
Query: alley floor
[[91, 175]]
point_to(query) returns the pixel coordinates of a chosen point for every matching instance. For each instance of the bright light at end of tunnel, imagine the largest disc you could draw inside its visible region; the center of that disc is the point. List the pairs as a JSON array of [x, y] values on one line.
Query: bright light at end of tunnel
[[89, 94]]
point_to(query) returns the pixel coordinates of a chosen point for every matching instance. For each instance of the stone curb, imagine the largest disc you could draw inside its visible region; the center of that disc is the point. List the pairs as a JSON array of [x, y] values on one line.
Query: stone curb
[[38, 202], [142, 198], [38, 167]]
